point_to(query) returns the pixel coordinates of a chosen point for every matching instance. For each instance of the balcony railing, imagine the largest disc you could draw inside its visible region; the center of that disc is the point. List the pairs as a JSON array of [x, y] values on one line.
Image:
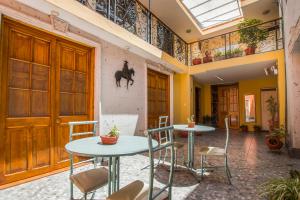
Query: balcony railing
[[228, 45], [134, 17]]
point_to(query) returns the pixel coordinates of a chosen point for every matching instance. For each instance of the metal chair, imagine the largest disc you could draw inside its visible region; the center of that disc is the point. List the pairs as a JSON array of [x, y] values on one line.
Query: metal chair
[[216, 151], [90, 180], [138, 190], [163, 138]]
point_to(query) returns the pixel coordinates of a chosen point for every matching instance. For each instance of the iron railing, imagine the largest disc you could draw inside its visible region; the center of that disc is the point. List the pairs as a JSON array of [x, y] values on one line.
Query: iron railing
[[228, 45], [134, 17]]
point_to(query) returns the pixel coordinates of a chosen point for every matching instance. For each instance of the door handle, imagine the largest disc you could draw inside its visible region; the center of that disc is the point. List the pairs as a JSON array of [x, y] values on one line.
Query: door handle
[[58, 120]]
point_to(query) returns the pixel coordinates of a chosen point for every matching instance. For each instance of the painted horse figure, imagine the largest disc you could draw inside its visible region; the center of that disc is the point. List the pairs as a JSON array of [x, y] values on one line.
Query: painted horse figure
[[125, 73]]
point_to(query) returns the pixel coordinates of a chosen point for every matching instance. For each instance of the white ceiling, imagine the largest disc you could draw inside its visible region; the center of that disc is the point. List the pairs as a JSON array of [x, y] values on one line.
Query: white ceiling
[[234, 74], [172, 13]]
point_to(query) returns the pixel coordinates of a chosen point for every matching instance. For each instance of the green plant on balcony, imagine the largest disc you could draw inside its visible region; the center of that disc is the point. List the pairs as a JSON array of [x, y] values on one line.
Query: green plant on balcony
[[282, 188], [251, 34], [219, 55]]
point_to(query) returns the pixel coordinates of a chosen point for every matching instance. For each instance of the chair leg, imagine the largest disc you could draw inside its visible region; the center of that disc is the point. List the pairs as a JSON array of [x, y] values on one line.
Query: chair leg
[[85, 196], [165, 156], [227, 170], [175, 158], [159, 157], [202, 167]]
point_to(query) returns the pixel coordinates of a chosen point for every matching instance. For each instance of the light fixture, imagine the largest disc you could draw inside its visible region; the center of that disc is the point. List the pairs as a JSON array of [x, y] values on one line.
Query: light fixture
[[218, 77]]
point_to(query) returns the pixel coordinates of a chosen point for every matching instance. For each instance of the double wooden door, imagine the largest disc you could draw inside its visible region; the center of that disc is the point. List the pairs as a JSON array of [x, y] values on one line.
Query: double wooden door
[[228, 99], [46, 81], [158, 97]]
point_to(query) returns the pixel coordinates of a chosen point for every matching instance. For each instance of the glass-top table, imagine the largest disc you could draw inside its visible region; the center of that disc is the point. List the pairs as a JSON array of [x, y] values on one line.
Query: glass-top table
[[191, 139], [126, 146]]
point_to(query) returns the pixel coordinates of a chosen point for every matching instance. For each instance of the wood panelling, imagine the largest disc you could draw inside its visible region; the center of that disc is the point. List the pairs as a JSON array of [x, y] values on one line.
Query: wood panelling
[[46, 81], [158, 97], [228, 106]]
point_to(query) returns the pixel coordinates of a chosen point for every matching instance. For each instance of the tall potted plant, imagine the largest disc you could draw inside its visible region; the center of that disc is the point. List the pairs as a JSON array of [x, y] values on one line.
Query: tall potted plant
[[251, 34], [272, 107]]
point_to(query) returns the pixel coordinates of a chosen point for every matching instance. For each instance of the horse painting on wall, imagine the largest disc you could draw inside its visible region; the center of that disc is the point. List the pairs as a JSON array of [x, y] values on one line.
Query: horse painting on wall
[[125, 73]]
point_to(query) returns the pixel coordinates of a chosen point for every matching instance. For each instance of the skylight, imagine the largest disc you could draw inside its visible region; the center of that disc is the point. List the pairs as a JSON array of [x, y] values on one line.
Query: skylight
[[213, 12]]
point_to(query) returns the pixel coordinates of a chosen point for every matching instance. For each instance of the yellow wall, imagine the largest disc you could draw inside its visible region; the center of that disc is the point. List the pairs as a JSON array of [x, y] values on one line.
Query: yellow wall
[[247, 87]]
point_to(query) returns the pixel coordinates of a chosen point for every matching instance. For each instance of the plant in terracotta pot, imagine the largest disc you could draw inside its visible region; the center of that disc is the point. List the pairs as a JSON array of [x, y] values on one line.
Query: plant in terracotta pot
[[112, 137], [274, 139], [251, 34], [257, 128], [272, 107], [282, 188], [219, 55], [197, 61], [243, 128], [191, 121]]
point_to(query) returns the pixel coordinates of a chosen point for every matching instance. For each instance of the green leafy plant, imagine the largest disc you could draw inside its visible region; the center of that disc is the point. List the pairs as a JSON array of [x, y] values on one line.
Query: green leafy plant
[[219, 54], [114, 132], [251, 34], [191, 119], [272, 107], [282, 188], [279, 132]]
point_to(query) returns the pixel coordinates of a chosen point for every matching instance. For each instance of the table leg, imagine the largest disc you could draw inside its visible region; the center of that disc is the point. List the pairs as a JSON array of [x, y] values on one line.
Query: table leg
[[114, 174], [191, 142]]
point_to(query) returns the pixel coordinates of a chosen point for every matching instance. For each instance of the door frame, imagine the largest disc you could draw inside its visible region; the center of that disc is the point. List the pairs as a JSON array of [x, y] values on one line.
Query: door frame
[[3, 108]]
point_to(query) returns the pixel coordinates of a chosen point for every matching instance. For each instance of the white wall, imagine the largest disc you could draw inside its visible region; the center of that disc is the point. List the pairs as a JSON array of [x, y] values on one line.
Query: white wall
[[123, 107]]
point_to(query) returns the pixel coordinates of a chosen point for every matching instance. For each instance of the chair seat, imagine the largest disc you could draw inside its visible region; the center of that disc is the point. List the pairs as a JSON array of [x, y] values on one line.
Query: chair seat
[[213, 151], [136, 190], [178, 145], [90, 180]]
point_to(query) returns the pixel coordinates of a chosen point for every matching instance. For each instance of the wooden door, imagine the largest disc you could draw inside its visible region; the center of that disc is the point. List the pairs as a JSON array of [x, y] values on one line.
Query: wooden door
[[265, 114], [228, 106], [29, 102], [158, 97], [73, 93]]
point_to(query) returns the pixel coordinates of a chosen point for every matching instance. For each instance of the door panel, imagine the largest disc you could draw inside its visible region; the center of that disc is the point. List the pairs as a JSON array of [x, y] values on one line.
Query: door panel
[[45, 82], [158, 97], [228, 106]]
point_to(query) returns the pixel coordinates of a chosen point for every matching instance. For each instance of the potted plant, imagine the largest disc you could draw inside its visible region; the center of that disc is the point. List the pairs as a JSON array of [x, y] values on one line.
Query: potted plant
[[244, 128], [112, 137], [251, 34], [257, 128], [272, 107], [219, 55], [197, 61], [236, 53], [207, 58], [282, 188], [273, 140], [191, 121]]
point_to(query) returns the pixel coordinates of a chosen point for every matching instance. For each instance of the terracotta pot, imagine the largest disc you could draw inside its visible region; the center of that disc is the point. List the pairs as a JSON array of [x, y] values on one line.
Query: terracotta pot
[[197, 61], [273, 142], [109, 140], [250, 50], [191, 124], [244, 129]]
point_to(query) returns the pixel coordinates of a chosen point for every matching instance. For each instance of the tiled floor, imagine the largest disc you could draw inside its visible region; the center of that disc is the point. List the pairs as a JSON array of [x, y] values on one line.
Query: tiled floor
[[250, 161]]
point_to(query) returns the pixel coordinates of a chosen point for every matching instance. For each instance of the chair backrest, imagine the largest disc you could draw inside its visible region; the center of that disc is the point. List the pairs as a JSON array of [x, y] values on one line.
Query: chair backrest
[[163, 135], [227, 134], [168, 144], [72, 135]]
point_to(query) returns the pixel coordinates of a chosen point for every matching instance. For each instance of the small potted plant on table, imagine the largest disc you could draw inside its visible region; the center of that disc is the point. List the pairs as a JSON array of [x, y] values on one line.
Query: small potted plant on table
[[191, 124], [274, 139], [112, 137]]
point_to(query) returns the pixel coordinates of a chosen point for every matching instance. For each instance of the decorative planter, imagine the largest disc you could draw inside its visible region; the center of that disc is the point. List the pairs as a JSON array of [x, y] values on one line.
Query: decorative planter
[[250, 50], [257, 129], [197, 61], [191, 124], [109, 140], [235, 55], [217, 58], [273, 142]]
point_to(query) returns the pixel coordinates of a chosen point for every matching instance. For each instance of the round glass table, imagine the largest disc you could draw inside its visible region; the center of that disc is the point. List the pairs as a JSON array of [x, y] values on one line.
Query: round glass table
[[191, 139], [126, 146]]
